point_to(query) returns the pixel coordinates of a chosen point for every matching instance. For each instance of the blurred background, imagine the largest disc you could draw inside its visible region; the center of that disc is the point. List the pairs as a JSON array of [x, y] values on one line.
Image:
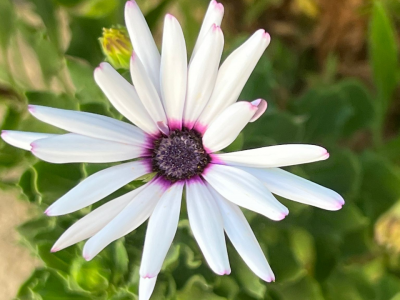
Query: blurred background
[[330, 77]]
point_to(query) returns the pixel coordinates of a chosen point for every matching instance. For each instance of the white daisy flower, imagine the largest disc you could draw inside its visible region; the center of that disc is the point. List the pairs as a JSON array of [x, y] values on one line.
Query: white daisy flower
[[184, 114]]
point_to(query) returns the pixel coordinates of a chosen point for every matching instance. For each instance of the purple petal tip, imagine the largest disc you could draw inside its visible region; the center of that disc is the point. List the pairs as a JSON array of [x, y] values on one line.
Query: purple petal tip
[[54, 250]]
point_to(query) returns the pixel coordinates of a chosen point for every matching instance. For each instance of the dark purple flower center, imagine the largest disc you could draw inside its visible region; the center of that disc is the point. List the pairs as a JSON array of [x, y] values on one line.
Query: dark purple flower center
[[180, 155]]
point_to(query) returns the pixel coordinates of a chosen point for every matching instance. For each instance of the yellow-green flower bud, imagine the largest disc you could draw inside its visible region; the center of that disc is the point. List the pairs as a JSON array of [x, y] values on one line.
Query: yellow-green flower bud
[[116, 47], [387, 229]]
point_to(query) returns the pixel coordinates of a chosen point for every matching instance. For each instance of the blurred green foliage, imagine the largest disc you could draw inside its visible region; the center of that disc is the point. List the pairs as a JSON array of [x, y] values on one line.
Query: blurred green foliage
[[48, 53]]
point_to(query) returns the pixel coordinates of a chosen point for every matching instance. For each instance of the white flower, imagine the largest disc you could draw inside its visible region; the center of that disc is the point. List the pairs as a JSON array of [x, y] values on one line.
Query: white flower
[[183, 114]]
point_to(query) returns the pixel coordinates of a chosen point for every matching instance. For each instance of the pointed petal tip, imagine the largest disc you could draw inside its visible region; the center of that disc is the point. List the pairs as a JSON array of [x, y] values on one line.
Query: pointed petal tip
[[169, 17], [87, 257], [31, 108], [130, 3], [54, 249], [224, 272], [3, 133], [325, 155], [217, 6]]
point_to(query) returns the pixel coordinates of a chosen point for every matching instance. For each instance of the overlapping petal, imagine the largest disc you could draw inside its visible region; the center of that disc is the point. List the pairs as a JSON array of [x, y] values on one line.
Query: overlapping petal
[[273, 156], [207, 225], [161, 230], [23, 139], [214, 15], [131, 217], [92, 223], [298, 189], [71, 148], [124, 97], [143, 42], [244, 190], [233, 75], [202, 73], [242, 237], [98, 186], [227, 126], [89, 124], [173, 71], [148, 93]]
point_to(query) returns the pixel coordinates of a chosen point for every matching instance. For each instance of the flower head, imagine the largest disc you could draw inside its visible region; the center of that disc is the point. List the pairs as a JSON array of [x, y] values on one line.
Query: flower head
[[184, 113]]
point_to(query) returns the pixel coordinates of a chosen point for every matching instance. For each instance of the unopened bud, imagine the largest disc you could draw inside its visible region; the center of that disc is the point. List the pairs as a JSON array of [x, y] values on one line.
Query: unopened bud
[[116, 47], [387, 229]]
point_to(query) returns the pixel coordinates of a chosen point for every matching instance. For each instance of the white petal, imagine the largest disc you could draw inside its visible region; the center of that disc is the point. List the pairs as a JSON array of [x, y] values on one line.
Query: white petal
[[143, 42], [71, 147], [146, 287], [93, 125], [214, 15], [161, 230], [202, 74], [274, 156], [207, 225], [22, 139], [173, 71], [123, 97], [262, 107], [244, 190], [225, 129], [242, 237], [92, 223], [98, 186], [233, 75], [147, 92], [298, 189], [131, 217]]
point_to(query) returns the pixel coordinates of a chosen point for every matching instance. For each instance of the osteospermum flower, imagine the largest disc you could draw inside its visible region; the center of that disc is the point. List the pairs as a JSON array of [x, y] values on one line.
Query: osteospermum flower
[[184, 114]]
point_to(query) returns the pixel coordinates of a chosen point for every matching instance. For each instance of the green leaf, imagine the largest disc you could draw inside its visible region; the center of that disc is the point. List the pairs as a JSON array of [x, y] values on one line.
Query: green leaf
[[360, 100], [87, 90], [197, 288], [341, 172], [155, 15], [7, 22], [305, 288], [46, 10], [48, 285], [380, 185], [49, 99], [90, 276], [383, 54]]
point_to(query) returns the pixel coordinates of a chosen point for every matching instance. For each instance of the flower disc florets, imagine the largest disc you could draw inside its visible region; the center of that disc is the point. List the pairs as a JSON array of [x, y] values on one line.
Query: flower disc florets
[[180, 155]]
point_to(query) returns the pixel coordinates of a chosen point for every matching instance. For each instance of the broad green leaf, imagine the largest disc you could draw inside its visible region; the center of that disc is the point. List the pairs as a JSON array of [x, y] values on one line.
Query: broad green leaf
[[341, 172], [87, 90], [305, 288], [360, 100], [49, 99], [383, 54], [380, 187]]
